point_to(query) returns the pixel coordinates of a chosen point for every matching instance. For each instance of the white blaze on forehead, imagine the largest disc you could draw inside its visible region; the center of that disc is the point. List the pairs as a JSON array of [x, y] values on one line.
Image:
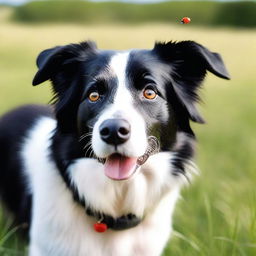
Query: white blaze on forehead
[[118, 65]]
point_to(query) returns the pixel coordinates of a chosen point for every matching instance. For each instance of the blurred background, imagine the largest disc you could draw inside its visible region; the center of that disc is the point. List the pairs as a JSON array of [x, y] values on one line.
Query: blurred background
[[216, 214]]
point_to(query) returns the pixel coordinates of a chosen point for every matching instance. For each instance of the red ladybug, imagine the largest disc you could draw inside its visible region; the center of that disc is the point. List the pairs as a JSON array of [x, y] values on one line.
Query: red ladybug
[[185, 20]]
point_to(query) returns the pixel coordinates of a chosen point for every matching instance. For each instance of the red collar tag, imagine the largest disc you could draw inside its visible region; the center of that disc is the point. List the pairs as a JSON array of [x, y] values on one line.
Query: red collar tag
[[100, 227]]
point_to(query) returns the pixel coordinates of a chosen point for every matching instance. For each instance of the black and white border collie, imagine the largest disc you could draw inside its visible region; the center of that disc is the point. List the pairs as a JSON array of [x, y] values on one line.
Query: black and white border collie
[[83, 173]]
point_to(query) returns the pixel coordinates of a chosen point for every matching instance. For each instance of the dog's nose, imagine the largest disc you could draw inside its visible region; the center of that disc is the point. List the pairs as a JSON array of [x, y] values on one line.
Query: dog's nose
[[115, 131]]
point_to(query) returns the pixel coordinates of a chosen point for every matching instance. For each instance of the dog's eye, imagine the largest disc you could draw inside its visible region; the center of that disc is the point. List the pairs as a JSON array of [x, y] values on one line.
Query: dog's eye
[[149, 94], [94, 96]]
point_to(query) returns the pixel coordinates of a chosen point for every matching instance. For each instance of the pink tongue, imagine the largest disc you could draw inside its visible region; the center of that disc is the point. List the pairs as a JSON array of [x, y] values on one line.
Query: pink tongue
[[119, 167]]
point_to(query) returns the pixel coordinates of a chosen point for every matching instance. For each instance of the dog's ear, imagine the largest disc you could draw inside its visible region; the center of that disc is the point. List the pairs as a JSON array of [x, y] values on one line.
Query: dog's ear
[[52, 61], [189, 62], [48, 64], [61, 65]]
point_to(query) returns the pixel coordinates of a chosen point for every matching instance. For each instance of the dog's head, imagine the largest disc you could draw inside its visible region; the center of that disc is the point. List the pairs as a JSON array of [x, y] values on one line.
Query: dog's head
[[113, 101]]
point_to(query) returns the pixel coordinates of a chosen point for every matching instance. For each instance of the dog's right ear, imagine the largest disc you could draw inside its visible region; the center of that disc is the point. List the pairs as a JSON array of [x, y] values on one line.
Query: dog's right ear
[[47, 63], [52, 61]]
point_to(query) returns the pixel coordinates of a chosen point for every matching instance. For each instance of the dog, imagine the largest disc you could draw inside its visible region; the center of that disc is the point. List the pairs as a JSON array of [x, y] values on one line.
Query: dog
[[98, 172]]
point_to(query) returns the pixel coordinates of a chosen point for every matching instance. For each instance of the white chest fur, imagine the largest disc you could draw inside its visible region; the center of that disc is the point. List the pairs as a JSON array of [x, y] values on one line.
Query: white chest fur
[[60, 227]]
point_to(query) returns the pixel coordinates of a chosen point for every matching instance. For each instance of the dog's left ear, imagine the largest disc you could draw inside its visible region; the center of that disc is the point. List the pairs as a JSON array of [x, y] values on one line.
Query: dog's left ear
[[189, 62]]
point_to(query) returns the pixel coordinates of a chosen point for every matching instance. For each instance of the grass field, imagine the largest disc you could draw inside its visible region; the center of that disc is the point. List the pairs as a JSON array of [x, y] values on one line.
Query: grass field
[[217, 213]]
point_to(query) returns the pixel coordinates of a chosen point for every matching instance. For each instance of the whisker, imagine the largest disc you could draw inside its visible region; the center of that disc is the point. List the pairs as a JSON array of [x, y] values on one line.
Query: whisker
[[88, 144], [82, 137], [88, 149], [91, 155]]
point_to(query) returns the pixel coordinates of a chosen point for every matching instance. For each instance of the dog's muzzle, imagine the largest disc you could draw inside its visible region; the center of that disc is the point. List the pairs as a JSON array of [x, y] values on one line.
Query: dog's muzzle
[[119, 167]]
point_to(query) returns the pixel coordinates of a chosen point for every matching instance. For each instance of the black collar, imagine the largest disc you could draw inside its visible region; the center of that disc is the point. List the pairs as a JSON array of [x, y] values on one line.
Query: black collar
[[121, 223]]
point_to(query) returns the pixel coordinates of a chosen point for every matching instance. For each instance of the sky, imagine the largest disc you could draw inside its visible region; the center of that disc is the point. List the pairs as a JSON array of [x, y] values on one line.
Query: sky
[[14, 2]]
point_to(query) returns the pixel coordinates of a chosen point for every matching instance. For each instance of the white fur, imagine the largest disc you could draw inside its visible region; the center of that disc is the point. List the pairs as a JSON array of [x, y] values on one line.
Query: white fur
[[60, 227]]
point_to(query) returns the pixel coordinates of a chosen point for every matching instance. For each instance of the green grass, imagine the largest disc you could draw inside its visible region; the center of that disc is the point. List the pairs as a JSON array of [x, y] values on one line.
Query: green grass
[[217, 213]]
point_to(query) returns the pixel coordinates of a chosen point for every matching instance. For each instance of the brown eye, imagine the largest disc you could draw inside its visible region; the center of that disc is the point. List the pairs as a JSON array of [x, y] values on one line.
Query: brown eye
[[94, 96], [149, 94]]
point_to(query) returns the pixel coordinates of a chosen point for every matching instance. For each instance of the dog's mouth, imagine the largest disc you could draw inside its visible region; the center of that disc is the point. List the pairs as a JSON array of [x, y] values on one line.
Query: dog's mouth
[[120, 167]]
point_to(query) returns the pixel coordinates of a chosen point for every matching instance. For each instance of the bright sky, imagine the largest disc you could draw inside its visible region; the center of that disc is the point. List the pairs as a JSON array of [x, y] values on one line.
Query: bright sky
[[13, 1]]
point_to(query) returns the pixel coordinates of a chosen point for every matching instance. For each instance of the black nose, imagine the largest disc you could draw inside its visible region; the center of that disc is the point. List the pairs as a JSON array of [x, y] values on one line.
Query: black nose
[[115, 131]]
